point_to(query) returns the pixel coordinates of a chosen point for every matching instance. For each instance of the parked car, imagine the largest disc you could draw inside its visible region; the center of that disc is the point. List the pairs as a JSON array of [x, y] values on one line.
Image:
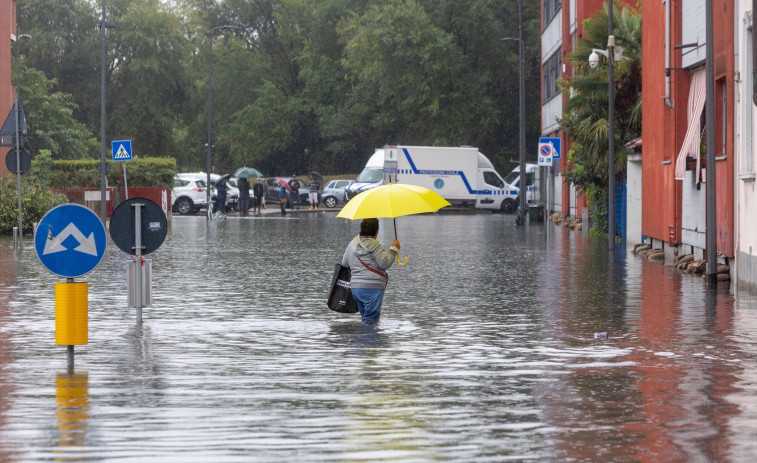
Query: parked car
[[188, 195], [335, 192], [232, 196], [272, 192]]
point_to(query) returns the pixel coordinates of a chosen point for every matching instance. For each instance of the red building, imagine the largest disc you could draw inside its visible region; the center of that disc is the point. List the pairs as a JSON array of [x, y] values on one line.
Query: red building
[[673, 167], [562, 27], [7, 91]]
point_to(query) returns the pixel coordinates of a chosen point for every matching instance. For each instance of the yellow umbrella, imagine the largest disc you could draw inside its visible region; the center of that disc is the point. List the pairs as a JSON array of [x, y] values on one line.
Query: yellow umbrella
[[391, 201]]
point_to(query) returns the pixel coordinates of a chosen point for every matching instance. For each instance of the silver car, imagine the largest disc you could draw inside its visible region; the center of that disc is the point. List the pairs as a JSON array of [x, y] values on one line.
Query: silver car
[[334, 193]]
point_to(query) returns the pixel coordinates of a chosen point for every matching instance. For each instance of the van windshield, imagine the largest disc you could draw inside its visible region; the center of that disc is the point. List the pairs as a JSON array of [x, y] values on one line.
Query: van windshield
[[370, 176], [512, 177]]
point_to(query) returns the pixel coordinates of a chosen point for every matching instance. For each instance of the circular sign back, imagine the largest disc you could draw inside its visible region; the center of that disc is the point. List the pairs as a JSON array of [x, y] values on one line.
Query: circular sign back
[[70, 240], [153, 226], [24, 157]]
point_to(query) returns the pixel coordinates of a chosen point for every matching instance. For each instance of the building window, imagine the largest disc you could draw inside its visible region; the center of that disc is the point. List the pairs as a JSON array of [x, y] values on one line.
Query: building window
[[551, 70], [551, 8]]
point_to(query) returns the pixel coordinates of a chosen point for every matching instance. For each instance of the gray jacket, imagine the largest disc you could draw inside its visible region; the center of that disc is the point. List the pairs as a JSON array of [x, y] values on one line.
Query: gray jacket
[[373, 255]]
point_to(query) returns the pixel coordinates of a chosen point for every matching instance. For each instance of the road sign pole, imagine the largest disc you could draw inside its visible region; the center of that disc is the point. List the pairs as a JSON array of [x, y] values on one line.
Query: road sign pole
[[70, 347], [139, 259], [126, 184]]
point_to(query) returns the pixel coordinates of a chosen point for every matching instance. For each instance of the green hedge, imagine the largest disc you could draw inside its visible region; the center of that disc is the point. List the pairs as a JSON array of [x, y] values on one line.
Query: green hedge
[[35, 202], [83, 174]]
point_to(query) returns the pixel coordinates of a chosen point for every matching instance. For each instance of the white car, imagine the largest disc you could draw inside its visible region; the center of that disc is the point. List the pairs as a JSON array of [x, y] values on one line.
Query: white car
[[232, 196], [188, 195]]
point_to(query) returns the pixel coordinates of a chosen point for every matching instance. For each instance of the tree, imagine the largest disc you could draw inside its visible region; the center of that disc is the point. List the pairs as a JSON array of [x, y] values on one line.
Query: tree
[[586, 115], [150, 91], [50, 118]]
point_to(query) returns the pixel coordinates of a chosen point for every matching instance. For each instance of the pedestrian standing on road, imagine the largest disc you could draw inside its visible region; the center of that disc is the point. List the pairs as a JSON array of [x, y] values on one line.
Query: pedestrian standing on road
[[315, 185], [294, 187], [367, 261], [257, 196], [221, 189], [244, 196], [283, 199]]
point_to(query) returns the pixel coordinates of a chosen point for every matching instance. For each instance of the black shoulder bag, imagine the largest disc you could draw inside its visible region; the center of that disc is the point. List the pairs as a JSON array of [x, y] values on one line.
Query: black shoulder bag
[[340, 296]]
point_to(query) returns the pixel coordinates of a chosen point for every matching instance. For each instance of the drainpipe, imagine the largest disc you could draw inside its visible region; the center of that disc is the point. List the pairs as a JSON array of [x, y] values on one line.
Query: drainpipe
[[668, 101], [754, 53]]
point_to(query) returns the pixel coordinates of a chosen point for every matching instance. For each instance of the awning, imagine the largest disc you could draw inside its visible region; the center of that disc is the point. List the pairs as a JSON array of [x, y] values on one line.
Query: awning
[[693, 138]]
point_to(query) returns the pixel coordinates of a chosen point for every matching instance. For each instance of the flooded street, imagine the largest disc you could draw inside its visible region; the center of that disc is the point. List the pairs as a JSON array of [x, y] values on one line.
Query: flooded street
[[485, 352]]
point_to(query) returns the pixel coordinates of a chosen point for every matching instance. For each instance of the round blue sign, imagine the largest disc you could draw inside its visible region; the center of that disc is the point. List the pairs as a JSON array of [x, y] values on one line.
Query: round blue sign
[[438, 183], [70, 240]]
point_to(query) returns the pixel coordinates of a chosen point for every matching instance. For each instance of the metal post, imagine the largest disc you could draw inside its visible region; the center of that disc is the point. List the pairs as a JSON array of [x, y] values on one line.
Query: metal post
[[18, 142], [70, 348], [15, 238], [209, 140], [711, 219], [139, 259], [522, 129], [126, 183], [102, 116], [70, 358], [611, 128], [210, 114]]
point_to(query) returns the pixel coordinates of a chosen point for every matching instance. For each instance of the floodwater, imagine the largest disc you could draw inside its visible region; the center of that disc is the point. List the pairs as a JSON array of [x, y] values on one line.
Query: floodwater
[[485, 352]]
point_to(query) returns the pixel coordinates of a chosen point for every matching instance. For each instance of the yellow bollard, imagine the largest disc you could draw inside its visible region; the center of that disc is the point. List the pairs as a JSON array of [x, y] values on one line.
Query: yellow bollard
[[71, 314]]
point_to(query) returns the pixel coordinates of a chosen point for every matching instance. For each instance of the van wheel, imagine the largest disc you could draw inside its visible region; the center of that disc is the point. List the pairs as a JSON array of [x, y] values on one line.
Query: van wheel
[[329, 201], [508, 206]]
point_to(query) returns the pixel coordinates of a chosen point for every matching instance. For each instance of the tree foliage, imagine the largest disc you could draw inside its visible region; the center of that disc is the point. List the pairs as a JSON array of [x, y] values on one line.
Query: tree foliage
[[299, 85], [586, 116]]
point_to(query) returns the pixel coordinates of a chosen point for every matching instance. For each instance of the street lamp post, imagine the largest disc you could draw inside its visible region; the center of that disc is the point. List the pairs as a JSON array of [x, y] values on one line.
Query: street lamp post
[[210, 140], [102, 26], [522, 117], [613, 54], [18, 141]]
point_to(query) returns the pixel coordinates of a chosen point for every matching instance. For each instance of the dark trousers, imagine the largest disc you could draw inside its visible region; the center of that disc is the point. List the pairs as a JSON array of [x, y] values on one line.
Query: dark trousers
[[295, 199]]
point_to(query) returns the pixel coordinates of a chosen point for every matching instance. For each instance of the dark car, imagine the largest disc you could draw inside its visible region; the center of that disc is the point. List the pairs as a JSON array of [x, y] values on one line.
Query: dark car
[[272, 194]]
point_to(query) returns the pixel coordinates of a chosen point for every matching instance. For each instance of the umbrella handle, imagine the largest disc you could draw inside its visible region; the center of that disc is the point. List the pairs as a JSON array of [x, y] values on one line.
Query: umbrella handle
[[398, 260]]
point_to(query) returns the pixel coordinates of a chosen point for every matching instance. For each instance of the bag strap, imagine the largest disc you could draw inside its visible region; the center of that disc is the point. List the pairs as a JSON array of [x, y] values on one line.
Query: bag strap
[[378, 272]]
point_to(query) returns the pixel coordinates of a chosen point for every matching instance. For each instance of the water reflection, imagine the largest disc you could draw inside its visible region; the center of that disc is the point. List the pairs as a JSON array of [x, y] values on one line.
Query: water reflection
[[72, 413], [485, 352]]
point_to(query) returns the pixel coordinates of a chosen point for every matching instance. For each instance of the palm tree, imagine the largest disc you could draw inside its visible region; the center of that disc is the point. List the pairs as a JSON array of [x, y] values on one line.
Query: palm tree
[[586, 116]]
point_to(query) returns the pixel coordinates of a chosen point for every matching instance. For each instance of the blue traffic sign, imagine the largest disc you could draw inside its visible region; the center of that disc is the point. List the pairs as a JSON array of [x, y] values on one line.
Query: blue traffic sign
[[70, 240], [555, 141], [121, 150]]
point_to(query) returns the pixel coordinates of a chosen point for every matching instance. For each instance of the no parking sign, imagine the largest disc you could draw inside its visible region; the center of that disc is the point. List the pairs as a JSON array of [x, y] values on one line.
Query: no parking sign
[[549, 148]]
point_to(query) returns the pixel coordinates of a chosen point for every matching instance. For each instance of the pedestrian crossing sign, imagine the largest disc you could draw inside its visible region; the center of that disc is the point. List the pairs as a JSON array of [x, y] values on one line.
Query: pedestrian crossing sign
[[121, 150]]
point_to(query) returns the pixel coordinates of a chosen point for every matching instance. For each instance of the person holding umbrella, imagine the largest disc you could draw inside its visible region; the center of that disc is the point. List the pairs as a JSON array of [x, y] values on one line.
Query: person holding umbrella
[[283, 198], [367, 261], [221, 190], [244, 196], [257, 196], [294, 188], [315, 185]]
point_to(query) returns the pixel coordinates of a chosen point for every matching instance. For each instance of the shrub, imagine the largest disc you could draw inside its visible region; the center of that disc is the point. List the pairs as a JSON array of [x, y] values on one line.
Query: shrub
[[36, 201], [83, 174]]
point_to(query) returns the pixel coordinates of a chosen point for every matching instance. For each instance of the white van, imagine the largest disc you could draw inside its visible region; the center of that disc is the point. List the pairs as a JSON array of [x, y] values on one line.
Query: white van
[[532, 182], [371, 176], [461, 175]]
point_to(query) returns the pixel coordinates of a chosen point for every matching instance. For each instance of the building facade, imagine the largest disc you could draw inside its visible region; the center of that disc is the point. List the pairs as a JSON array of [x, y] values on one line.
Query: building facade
[[745, 117], [674, 160], [7, 90]]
